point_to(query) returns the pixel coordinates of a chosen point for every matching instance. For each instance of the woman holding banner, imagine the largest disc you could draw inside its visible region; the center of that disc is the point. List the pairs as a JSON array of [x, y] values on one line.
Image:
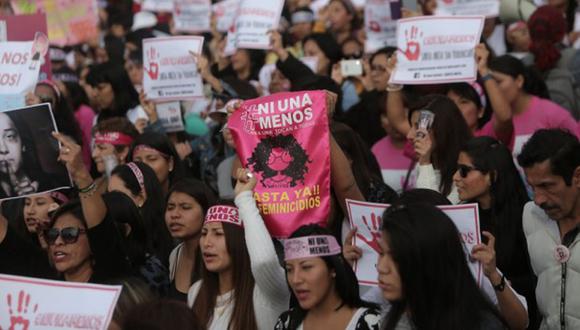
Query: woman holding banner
[[242, 283]]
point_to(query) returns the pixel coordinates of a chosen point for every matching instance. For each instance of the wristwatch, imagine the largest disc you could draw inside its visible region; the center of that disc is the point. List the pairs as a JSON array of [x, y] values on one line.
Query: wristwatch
[[501, 286]]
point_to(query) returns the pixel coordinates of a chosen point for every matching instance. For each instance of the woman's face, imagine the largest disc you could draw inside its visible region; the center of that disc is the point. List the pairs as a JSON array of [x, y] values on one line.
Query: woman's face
[[509, 86], [520, 39], [10, 146], [69, 257], [213, 248], [241, 60], [45, 94], [476, 185], [379, 75], [471, 113], [160, 165], [104, 95], [351, 49], [101, 150], [389, 278], [183, 216], [338, 16], [36, 210], [311, 281], [117, 184], [312, 49], [279, 83]]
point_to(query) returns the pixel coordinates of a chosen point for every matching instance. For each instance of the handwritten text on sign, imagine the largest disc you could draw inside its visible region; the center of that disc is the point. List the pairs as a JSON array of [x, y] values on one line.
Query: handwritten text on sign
[[19, 67]]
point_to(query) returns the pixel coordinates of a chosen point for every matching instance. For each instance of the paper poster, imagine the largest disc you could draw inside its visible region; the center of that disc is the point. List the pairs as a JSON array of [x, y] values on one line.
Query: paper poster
[[577, 29], [225, 14], [170, 72], [26, 28], [157, 5], [255, 18], [283, 139], [437, 49], [169, 114], [20, 64], [29, 162], [367, 218], [70, 22], [192, 15], [34, 304], [380, 24], [487, 8]]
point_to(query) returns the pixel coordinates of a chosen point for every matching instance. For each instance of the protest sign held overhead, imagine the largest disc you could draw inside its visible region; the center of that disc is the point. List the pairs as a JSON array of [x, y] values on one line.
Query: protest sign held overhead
[[367, 218], [254, 19], [20, 64], [170, 116], [437, 49], [192, 15], [283, 139], [487, 8], [157, 5], [381, 24], [225, 14], [35, 304], [170, 72]]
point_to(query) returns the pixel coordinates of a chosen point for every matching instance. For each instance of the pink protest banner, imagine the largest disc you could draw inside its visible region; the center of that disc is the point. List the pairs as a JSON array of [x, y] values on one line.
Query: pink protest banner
[[367, 217], [70, 22], [284, 140]]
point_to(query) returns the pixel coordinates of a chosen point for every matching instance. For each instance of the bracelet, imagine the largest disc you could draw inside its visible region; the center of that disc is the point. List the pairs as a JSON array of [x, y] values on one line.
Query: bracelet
[[486, 77], [88, 188], [394, 87], [501, 286]]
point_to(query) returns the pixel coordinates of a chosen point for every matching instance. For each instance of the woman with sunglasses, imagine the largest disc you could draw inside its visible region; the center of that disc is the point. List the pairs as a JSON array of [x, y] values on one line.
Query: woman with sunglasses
[[486, 175], [242, 283]]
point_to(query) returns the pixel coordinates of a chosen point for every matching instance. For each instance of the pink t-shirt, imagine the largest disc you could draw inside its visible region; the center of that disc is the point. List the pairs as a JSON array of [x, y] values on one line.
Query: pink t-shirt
[[85, 116], [394, 164]]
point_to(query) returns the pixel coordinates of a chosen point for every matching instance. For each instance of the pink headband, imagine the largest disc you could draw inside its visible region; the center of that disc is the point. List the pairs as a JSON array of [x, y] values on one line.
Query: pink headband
[[138, 174], [516, 26], [480, 92], [223, 213], [52, 85], [114, 138], [59, 196], [310, 247], [145, 147]]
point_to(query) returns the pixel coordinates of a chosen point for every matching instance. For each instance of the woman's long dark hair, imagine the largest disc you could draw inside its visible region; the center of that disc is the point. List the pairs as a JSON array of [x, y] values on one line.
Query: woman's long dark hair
[[468, 92], [346, 283], [439, 290], [508, 193], [243, 316], [450, 132], [513, 67], [153, 209]]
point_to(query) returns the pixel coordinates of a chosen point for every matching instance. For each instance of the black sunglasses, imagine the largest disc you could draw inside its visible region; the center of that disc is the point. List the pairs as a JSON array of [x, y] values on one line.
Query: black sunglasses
[[464, 170], [69, 235]]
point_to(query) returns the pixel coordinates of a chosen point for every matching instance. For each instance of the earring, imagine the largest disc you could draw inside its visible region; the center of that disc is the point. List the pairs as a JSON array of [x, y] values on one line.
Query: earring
[[23, 148]]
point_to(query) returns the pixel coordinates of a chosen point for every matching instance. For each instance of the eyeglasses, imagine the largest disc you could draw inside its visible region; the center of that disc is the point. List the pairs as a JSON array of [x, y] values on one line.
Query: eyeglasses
[[465, 169], [69, 235]]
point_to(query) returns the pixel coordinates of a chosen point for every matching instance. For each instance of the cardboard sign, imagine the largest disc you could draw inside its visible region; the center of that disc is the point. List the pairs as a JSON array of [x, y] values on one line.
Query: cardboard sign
[[437, 49], [35, 304], [170, 72], [380, 23], [255, 18], [367, 218], [70, 22], [170, 116], [192, 15], [283, 139], [487, 8], [225, 14], [20, 64], [157, 5]]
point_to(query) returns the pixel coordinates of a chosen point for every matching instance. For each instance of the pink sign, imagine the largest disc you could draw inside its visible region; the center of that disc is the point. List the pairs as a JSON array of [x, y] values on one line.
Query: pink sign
[[283, 139]]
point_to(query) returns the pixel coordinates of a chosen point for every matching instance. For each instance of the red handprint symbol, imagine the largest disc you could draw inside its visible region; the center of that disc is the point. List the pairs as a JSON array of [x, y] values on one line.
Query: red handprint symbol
[[413, 47], [152, 57], [19, 318], [374, 229]]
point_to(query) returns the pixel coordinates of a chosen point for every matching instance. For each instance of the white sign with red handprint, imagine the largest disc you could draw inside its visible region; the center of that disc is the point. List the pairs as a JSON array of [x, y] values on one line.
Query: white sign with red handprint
[[487, 8], [366, 217], [170, 72], [255, 18], [380, 23], [192, 15], [34, 304], [437, 49]]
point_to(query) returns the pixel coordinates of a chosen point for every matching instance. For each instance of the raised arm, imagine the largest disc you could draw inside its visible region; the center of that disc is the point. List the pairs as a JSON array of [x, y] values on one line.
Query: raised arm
[[395, 105]]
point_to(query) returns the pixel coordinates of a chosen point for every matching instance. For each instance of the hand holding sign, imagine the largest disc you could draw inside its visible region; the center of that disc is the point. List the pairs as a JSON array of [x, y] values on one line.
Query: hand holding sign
[[485, 253], [481, 57], [351, 252], [246, 181], [70, 154]]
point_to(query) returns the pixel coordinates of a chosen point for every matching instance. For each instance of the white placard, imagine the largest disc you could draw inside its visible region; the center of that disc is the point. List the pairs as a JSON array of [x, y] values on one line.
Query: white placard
[[380, 27], [487, 8], [437, 49], [192, 15], [157, 5], [367, 218], [255, 18], [35, 304], [225, 14], [19, 67], [170, 72], [169, 114], [577, 29]]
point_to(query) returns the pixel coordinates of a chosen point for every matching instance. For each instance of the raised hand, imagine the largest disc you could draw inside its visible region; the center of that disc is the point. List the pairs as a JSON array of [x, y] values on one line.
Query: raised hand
[[351, 252], [246, 181]]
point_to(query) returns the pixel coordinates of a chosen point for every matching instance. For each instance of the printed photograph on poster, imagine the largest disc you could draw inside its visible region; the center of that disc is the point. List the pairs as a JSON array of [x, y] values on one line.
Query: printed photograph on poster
[[437, 49], [487, 8], [29, 154]]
